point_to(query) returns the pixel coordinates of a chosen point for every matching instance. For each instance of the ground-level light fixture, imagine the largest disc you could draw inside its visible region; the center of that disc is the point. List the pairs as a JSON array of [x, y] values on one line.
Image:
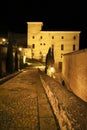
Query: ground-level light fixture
[[51, 71]]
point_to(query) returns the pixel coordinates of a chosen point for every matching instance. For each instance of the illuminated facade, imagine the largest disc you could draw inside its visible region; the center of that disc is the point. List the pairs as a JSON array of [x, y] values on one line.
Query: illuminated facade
[[74, 72], [39, 41]]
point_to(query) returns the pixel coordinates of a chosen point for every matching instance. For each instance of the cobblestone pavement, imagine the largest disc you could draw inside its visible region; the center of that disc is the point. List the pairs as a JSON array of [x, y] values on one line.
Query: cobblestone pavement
[[24, 105]]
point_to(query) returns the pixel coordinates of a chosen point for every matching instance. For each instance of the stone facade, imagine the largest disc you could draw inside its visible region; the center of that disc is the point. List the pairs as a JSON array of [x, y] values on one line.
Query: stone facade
[[75, 72], [39, 42]]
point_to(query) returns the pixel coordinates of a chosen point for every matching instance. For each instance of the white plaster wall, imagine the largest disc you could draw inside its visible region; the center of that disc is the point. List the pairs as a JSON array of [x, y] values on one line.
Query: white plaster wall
[[75, 72]]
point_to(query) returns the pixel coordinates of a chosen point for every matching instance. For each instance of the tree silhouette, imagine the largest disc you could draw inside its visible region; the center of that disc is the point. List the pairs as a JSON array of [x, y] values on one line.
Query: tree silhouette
[[49, 58], [0, 62], [9, 58], [53, 55], [16, 60]]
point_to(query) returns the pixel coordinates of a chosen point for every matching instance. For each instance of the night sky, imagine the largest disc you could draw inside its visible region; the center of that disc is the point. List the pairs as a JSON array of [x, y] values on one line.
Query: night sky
[[56, 15]]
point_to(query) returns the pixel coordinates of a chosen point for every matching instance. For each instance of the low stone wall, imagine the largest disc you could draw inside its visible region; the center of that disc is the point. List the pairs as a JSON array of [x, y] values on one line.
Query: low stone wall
[[7, 77], [69, 110]]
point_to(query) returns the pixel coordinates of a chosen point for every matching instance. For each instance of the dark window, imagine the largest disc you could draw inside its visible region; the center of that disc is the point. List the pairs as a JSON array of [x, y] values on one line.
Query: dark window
[[62, 47], [74, 47], [52, 37], [74, 37], [33, 45], [44, 44], [40, 43], [40, 37], [61, 55], [33, 37], [62, 37]]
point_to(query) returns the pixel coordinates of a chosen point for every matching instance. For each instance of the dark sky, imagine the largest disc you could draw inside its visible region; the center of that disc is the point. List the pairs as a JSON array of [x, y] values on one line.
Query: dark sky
[[56, 15]]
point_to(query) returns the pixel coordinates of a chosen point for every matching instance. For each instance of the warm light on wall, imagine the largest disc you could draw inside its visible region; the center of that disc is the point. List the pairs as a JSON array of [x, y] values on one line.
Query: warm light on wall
[[24, 59], [51, 71], [20, 49], [3, 39]]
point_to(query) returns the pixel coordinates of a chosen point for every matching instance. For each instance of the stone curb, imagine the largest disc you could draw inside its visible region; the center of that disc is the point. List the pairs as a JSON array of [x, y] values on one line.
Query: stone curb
[[68, 118], [6, 78]]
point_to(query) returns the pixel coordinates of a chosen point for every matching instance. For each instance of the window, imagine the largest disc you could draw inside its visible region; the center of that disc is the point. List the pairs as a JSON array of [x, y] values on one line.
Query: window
[[40, 37], [74, 47], [61, 55], [33, 45], [52, 37], [74, 37], [43, 44], [62, 47], [62, 37], [33, 37]]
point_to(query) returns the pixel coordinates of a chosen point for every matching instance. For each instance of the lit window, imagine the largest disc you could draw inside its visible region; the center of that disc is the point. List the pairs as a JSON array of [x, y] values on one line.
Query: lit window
[[62, 47]]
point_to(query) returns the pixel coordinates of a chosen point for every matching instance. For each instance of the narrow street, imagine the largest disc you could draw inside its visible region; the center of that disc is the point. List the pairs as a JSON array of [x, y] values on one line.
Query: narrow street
[[24, 104]]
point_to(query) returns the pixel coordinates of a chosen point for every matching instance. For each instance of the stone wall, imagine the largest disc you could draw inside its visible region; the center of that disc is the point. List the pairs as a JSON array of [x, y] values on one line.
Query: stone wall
[[75, 72]]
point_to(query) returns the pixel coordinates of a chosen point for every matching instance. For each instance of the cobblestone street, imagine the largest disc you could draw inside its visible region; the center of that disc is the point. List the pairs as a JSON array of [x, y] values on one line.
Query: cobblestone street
[[24, 104]]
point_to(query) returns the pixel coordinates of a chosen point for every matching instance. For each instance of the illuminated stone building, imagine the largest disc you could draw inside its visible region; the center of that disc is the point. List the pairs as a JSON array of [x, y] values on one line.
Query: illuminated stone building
[[39, 42]]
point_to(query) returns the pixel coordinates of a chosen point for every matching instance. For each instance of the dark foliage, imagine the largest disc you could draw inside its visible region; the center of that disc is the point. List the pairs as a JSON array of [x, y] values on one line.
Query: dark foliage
[[9, 59], [16, 60], [49, 58], [0, 62]]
